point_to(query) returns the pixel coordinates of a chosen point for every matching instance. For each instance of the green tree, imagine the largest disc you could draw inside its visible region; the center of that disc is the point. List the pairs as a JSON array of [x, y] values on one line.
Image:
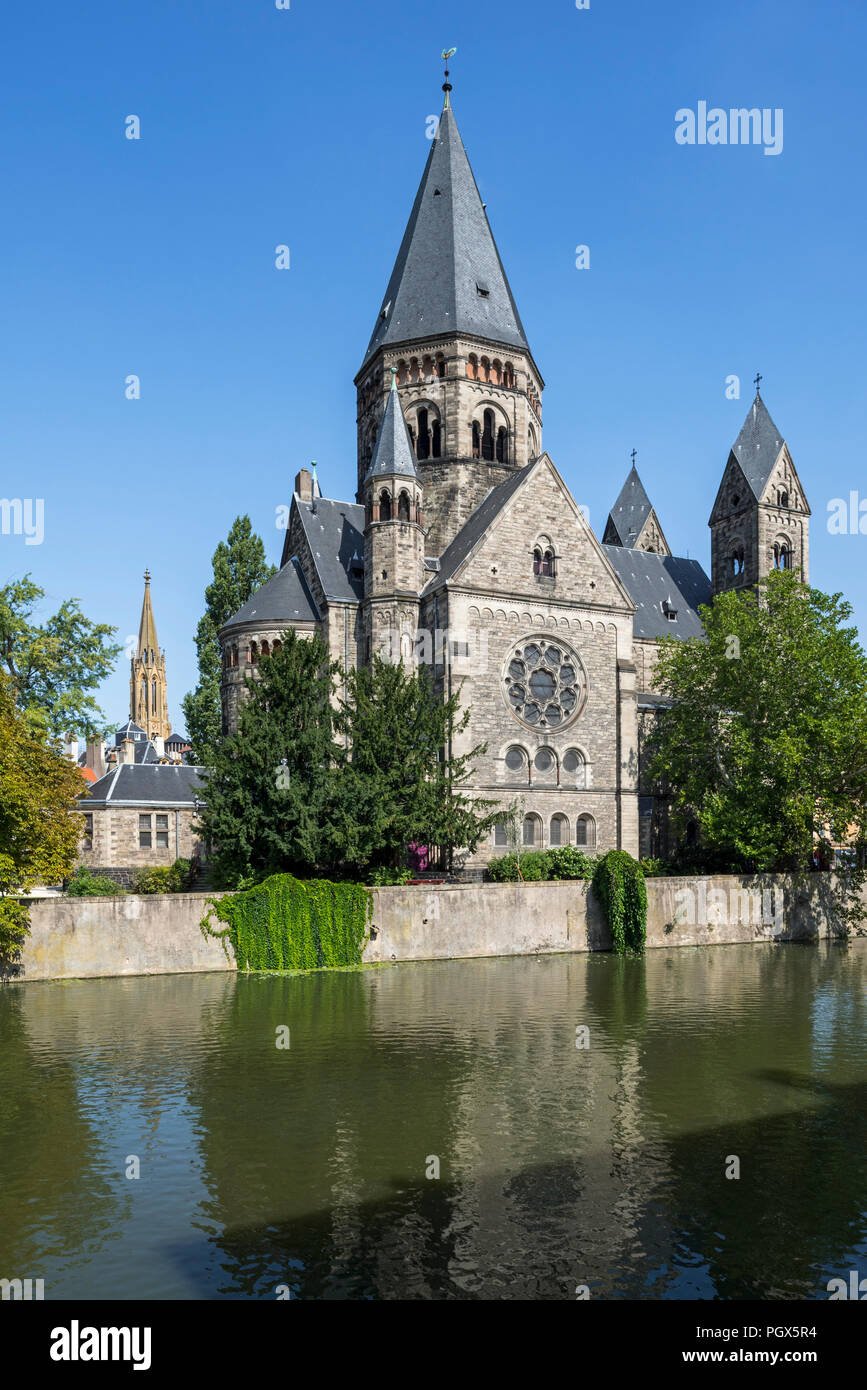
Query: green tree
[[240, 568], [267, 794], [765, 744], [38, 830], [52, 667], [402, 781]]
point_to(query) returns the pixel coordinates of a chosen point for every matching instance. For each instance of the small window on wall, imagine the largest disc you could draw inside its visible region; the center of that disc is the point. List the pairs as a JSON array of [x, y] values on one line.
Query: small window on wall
[[501, 837], [144, 832], [516, 761], [545, 762], [585, 832], [532, 831], [162, 832], [559, 830], [575, 768]]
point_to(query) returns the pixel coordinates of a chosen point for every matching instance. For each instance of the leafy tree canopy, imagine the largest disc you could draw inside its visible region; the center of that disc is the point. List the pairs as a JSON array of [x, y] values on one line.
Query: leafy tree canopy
[[765, 744], [239, 568], [54, 666], [253, 824], [38, 832]]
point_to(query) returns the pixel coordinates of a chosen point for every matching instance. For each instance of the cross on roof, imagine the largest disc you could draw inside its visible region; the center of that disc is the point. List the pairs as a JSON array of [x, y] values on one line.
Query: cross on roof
[[759, 378], [634, 456]]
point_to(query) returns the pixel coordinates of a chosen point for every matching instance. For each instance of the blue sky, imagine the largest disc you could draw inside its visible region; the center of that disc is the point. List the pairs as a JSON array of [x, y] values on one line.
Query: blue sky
[[261, 127]]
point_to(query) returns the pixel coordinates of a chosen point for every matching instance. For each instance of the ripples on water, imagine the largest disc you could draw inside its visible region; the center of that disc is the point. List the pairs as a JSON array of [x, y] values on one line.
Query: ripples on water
[[558, 1166]]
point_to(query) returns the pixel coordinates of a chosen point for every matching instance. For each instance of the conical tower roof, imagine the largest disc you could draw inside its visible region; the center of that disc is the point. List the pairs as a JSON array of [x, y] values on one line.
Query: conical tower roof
[[393, 455], [147, 628], [630, 511], [758, 446], [448, 276]]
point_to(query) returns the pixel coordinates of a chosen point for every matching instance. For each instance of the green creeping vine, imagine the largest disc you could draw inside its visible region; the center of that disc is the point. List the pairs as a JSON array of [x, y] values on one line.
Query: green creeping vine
[[287, 924], [618, 882]]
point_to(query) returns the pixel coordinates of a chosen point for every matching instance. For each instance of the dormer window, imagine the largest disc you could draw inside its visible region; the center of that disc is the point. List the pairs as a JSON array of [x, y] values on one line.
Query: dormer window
[[669, 611], [482, 289]]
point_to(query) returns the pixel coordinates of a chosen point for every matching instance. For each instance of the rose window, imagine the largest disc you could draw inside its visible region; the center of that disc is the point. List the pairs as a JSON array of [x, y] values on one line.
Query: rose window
[[542, 683]]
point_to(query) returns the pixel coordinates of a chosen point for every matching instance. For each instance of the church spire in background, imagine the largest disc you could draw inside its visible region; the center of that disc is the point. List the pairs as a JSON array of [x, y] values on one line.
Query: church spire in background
[[148, 702]]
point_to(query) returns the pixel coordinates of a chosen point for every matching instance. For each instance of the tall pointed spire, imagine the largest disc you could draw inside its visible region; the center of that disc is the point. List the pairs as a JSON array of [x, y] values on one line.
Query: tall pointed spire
[[758, 445], [448, 276], [632, 521], [148, 703], [147, 628]]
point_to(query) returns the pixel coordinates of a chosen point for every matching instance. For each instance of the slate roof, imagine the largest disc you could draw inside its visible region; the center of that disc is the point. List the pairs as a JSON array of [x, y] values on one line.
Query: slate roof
[[393, 453], [335, 534], [652, 579], [758, 446], [160, 785], [448, 275], [129, 730], [630, 511], [476, 525], [285, 597], [177, 739]]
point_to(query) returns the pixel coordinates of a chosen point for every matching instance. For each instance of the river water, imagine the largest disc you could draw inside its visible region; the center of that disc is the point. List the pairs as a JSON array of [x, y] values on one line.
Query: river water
[[311, 1168]]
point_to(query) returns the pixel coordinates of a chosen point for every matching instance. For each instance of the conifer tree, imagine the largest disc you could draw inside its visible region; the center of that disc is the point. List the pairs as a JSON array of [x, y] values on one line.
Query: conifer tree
[[240, 568]]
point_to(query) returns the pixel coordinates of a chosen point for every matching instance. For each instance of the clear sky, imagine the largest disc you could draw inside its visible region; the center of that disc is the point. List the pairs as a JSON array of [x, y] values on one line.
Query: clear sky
[[307, 127]]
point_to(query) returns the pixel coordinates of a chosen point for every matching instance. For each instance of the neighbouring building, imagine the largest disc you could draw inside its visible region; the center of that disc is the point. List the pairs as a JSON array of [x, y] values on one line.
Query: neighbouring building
[[141, 809], [465, 550]]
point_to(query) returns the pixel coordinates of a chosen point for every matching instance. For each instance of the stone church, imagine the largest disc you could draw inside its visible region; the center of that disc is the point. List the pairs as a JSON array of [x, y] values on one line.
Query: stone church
[[464, 548]]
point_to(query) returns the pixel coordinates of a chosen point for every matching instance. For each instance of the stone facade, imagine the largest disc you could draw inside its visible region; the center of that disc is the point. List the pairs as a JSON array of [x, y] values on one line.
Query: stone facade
[[115, 838]]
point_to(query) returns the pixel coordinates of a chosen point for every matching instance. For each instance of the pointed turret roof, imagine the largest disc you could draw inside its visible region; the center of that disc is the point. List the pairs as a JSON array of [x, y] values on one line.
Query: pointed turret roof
[[393, 454], [758, 446], [147, 628], [630, 511], [448, 276]]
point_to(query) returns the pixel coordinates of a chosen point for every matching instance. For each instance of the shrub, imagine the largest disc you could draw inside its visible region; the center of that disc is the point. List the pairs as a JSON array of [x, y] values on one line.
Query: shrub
[[88, 885], [618, 882], [504, 869], [14, 926], [386, 876], [569, 862], [655, 868], [175, 879]]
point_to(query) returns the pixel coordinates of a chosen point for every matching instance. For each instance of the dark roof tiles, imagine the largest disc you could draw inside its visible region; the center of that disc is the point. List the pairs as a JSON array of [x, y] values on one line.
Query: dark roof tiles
[[284, 598], [654, 580]]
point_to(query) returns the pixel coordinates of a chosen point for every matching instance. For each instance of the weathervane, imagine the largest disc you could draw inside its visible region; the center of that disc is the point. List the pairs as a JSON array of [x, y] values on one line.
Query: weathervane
[[447, 54]]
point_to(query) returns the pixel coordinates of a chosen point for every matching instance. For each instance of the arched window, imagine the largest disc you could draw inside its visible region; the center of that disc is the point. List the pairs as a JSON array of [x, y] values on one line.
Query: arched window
[[543, 559], [403, 507], [575, 769], [496, 372], [254, 653], [144, 691], [484, 369], [784, 498], [472, 366], [559, 830], [414, 370], [737, 561], [477, 440], [501, 833], [488, 436], [441, 365], [153, 696], [782, 555], [585, 832], [532, 830], [423, 446], [266, 650], [532, 446], [509, 376], [436, 440], [234, 661], [427, 368], [401, 372], [276, 647], [385, 505], [517, 764], [502, 445]]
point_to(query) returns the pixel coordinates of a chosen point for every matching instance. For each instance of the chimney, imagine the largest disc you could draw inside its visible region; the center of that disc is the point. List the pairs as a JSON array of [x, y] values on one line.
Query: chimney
[[70, 748], [304, 485], [159, 744], [94, 756], [127, 751]]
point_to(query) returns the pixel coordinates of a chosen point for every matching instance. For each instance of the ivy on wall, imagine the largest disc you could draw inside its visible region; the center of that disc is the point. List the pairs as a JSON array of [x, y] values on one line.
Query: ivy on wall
[[618, 882], [285, 923]]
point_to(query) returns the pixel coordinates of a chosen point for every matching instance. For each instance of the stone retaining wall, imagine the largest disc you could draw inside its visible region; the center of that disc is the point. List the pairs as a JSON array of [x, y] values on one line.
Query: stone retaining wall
[[155, 935]]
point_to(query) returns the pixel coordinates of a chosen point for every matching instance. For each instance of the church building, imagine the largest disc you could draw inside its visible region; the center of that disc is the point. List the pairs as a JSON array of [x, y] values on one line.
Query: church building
[[464, 548]]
